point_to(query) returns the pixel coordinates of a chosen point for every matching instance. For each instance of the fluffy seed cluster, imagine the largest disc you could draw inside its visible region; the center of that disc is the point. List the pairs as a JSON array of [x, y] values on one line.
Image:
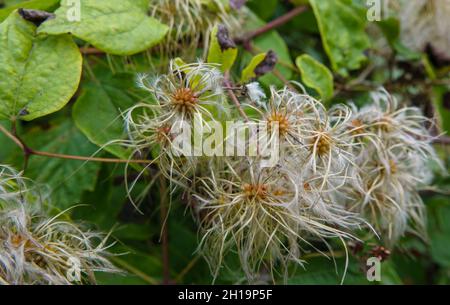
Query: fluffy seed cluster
[[337, 170], [36, 248], [394, 166], [191, 21], [183, 99], [272, 214]]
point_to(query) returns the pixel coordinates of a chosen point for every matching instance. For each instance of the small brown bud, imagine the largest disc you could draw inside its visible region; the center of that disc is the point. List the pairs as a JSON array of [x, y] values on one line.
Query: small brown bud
[[35, 16], [267, 65]]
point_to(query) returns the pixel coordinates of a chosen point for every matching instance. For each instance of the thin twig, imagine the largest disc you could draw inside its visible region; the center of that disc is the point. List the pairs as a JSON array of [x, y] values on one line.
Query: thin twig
[[91, 51], [135, 271], [280, 76], [12, 137], [273, 24], [443, 140], [433, 191], [82, 158], [29, 151], [186, 269], [233, 96]]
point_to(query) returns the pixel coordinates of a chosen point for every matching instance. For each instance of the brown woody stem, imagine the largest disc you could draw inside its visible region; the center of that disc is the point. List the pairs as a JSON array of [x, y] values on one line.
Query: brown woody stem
[[29, 151]]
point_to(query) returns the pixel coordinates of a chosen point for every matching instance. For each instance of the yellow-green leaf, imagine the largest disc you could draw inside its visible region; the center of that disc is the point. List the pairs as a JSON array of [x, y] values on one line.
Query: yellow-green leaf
[[249, 72], [222, 51], [44, 5], [39, 74], [66, 179], [120, 27], [342, 27], [316, 75], [99, 106]]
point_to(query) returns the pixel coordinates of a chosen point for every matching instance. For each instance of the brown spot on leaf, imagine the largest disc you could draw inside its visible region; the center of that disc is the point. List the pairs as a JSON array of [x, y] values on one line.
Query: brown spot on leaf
[[224, 39], [24, 112], [267, 65]]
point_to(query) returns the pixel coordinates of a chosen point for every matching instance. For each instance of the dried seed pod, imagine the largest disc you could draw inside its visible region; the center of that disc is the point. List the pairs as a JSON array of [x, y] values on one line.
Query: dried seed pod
[[36, 248]]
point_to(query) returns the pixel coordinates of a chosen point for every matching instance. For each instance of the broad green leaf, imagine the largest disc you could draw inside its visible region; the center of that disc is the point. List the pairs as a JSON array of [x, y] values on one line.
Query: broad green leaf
[[389, 274], [249, 72], [299, 2], [40, 74], [264, 9], [43, 5], [102, 205], [342, 27], [441, 98], [97, 111], [66, 179], [139, 267], [120, 27], [224, 57], [304, 24], [322, 271], [444, 277], [184, 241], [403, 263], [390, 28], [316, 75], [439, 229]]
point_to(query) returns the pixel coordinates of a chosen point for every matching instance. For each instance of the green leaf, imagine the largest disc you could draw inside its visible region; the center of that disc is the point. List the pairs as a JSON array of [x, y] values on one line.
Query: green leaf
[[128, 278], [342, 27], [403, 263], [249, 72], [389, 274], [40, 74], [299, 2], [225, 57], [440, 98], [428, 66], [102, 205], [322, 271], [97, 112], [66, 179], [139, 268], [43, 5], [264, 9], [390, 28], [120, 27], [439, 229], [8, 146], [316, 75], [262, 44]]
